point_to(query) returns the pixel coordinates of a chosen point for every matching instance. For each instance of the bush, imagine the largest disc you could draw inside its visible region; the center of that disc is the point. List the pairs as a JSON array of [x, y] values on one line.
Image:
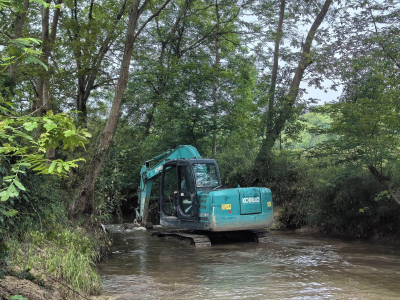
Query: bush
[[337, 199]]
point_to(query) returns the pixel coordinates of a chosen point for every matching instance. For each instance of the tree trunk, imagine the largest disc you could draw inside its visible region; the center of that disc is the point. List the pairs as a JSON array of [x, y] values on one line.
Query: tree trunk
[[158, 89], [81, 101], [274, 76], [42, 85], [150, 118], [215, 87], [262, 157], [386, 183], [85, 198], [43, 102], [290, 99], [17, 34]]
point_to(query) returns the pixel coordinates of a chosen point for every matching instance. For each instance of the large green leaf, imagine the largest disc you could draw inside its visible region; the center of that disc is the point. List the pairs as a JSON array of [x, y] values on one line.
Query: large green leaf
[[34, 60], [30, 125], [19, 185], [50, 126], [4, 195]]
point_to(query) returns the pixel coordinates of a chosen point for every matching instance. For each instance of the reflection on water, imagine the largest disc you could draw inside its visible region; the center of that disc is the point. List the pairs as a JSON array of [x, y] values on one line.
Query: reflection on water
[[291, 266]]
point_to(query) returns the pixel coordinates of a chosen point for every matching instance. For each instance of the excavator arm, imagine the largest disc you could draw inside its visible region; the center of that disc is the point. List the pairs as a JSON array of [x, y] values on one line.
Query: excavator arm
[[151, 170]]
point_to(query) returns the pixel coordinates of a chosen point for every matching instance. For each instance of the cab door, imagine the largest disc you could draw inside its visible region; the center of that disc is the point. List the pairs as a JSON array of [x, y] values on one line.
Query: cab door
[[168, 190], [178, 194], [186, 201]]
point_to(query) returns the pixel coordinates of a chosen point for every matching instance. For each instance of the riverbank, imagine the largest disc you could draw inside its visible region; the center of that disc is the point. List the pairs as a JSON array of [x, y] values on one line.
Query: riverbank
[[27, 290], [46, 289], [58, 263], [282, 224], [36, 289]]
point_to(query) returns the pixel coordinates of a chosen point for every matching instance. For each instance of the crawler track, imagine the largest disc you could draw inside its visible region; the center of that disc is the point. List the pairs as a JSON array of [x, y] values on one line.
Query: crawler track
[[204, 239], [198, 240]]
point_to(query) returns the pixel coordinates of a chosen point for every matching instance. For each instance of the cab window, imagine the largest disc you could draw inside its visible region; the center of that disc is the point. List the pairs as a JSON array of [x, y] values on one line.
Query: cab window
[[206, 175]]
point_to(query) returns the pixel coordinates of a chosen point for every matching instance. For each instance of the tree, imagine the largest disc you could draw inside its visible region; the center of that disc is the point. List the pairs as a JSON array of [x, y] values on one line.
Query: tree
[[84, 202], [24, 137], [179, 82], [91, 31], [281, 109], [366, 120], [17, 48], [367, 129], [165, 31]]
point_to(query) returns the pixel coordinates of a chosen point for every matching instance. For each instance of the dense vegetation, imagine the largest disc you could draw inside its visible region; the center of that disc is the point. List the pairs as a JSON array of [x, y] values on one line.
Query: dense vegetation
[[89, 90]]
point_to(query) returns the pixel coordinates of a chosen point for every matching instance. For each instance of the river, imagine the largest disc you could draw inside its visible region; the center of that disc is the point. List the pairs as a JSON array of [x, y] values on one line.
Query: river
[[290, 266]]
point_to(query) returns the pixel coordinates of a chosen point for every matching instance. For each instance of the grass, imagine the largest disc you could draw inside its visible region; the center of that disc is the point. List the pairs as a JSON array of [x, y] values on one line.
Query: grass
[[66, 254]]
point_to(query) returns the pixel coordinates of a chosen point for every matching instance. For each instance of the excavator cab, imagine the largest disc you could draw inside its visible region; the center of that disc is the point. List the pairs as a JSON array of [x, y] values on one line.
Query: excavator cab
[[180, 181]]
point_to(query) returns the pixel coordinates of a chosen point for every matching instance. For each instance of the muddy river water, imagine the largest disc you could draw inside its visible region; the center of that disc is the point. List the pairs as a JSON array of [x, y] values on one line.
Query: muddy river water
[[290, 266]]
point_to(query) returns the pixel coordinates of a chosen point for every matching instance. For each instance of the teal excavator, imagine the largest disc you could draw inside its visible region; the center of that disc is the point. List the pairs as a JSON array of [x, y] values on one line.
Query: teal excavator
[[195, 206]]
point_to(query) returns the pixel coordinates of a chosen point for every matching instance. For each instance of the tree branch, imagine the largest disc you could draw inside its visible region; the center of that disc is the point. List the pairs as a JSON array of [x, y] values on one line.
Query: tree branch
[[55, 22], [380, 44], [150, 18]]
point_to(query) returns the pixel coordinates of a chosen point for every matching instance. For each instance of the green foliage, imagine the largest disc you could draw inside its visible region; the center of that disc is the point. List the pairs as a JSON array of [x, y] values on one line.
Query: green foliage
[[118, 181], [46, 4], [38, 207], [27, 149], [305, 136], [236, 160], [40, 238], [21, 50], [367, 129]]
